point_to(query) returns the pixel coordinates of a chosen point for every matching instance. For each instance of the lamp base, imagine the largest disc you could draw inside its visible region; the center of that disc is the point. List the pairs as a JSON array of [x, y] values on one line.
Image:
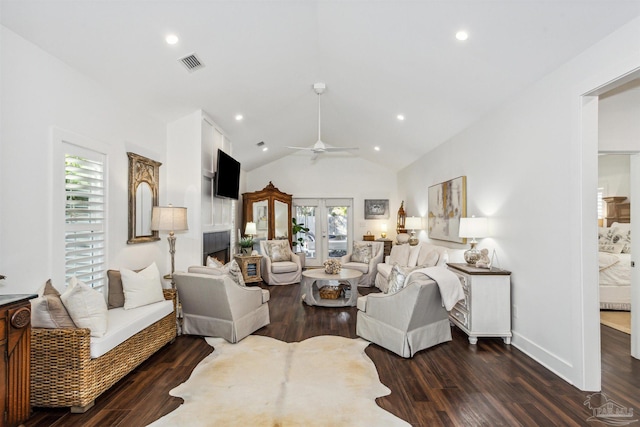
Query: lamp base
[[413, 240], [472, 255]]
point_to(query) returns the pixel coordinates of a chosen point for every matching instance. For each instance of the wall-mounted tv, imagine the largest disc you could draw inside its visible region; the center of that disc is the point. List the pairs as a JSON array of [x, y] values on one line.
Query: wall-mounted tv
[[227, 180]]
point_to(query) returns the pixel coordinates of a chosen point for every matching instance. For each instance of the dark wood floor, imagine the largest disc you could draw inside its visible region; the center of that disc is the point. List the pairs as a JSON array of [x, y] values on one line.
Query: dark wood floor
[[452, 384]]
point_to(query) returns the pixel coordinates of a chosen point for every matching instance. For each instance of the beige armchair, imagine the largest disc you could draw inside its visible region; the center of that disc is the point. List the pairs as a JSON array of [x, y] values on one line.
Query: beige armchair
[[284, 269], [369, 269], [216, 306], [405, 322]]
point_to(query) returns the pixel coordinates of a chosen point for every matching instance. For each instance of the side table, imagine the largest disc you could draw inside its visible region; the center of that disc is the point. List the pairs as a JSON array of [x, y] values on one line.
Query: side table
[[250, 266], [387, 247], [485, 310]]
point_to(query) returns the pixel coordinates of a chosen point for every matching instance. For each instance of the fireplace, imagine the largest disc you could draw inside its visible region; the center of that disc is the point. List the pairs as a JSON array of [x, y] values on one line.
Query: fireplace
[[216, 244]]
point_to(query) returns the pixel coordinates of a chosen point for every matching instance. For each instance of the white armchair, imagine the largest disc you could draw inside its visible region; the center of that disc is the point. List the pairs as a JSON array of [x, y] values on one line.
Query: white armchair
[[405, 322], [355, 260], [216, 306], [284, 269]]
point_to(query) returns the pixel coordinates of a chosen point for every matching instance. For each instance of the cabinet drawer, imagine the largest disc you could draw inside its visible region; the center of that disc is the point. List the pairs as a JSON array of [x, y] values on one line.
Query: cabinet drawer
[[460, 315]]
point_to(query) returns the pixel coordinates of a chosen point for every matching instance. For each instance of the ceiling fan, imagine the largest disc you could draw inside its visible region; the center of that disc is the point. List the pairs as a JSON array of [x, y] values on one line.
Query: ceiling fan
[[319, 147]]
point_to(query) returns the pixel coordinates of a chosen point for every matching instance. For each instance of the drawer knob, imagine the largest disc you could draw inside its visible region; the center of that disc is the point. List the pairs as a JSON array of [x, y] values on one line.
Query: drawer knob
[[21, 318]]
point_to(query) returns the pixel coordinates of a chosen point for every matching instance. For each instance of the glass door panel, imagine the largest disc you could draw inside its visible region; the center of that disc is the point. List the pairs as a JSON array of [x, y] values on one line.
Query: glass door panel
[[337, 231], [261, 218], [330, 228]]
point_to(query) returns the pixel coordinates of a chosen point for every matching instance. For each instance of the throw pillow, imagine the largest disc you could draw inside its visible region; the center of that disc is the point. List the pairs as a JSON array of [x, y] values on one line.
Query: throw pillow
[[431, 259], [362, 252], [115, 296], [605, 234], [397, 276], [279, 251], [214, 262], [47, 311], [612, 248], [234, 271], [623, 238], [86, 306], [141, 288], [414, 251], [399, 254]]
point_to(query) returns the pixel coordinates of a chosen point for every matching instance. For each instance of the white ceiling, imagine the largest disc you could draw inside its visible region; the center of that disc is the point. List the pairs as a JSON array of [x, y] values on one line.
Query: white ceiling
[[378, 59]]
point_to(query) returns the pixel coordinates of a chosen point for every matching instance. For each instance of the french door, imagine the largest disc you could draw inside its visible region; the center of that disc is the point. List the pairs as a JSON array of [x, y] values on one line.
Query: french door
[[330, 224]]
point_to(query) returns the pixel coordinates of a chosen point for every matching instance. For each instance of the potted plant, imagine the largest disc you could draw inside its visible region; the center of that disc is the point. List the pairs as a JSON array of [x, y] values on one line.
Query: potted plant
[[298, 244], [246, 245]]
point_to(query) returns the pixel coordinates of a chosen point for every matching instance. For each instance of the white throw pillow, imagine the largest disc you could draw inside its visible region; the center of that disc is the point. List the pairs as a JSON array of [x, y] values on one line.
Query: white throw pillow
[[86, 306], [362, 252], [214, 262], [397, 278], [141, 288], [414, 252], [399, 255]]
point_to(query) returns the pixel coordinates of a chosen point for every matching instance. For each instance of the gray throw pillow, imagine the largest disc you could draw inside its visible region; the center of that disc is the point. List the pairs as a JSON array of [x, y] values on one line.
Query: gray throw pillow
[[48, 311], [362, 252], [397, 278]]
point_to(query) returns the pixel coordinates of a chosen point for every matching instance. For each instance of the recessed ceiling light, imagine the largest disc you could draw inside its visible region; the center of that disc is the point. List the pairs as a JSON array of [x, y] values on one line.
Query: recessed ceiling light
[[400, 117], [265, 148], [239, 117], [462, 35], [172, 39], [376, 148]]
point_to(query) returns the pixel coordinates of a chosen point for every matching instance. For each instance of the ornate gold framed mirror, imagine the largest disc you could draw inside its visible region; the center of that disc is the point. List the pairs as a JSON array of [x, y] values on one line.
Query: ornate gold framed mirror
[[144, 183]]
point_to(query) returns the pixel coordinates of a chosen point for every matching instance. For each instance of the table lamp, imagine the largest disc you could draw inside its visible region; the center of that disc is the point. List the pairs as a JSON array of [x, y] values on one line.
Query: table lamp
[[473, 227], [250, 229], [169, 218], [383, 230], [413, 223]]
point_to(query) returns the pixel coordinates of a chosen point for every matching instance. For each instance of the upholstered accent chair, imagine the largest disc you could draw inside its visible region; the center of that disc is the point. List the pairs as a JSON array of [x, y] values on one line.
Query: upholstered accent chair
[[216, 306], [364, 257], [407, 321], [279, 265]]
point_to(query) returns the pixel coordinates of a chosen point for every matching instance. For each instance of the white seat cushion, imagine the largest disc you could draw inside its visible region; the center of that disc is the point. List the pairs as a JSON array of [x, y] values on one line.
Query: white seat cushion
[[123, 324], [283, 267], [364, 268]]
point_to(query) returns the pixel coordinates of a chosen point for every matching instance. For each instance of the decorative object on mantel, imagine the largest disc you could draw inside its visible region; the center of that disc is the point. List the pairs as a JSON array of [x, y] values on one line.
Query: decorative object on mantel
[[447, 205], [376, 209], [169, 218], [144, 183], [332, 266], [413, 223], [473, 227]]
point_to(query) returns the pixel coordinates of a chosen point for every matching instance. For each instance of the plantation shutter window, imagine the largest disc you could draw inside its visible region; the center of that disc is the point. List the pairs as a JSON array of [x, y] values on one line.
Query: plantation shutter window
[[85, 216]]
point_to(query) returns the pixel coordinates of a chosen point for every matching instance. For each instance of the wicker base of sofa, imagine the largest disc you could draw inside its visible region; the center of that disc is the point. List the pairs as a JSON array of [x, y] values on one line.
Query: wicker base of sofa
[[64, 375]]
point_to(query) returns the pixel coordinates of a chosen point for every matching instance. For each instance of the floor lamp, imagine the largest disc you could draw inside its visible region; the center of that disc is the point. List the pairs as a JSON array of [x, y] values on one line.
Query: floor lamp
[[169, 218]]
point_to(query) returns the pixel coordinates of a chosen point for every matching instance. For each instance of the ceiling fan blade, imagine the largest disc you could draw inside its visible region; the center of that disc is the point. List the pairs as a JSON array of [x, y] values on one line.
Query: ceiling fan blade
[[302, 148], [341, 148]]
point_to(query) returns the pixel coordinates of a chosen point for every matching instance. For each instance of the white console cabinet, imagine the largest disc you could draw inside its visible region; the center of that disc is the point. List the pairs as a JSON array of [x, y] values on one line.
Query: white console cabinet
[[486, 308]]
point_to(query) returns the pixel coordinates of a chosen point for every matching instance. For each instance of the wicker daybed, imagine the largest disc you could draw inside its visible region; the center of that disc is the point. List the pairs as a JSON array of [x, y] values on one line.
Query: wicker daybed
[[64, 375]]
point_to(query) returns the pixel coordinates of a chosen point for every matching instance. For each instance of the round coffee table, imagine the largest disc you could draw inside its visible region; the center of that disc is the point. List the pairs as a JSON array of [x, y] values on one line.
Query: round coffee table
[[311, 282]]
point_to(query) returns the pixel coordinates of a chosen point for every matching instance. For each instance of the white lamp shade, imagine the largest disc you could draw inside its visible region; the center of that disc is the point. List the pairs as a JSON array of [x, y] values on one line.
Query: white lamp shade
[[474, 227], [383, 227], [413, 223], [169, 218], [250, 229]]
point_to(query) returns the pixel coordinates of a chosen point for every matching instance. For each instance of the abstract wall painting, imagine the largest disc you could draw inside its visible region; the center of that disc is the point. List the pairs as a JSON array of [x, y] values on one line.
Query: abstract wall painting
[[447, 204]]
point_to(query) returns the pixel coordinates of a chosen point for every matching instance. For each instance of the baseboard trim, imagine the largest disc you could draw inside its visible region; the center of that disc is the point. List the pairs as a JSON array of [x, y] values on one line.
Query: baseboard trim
[[555, 364]]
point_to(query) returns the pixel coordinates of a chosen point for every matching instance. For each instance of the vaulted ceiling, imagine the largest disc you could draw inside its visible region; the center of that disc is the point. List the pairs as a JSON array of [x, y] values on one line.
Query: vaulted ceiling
[[378, 59]]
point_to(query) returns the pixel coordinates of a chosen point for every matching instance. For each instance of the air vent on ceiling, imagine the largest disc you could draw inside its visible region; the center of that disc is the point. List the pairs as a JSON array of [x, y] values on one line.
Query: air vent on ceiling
[[191, 62]]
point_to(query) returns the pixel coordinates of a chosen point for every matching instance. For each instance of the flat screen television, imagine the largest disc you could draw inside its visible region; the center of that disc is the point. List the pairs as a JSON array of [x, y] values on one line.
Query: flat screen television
[[227, 179]]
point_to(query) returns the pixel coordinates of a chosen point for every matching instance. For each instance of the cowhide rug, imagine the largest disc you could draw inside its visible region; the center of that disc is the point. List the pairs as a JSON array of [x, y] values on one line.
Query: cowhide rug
[[260, 381]]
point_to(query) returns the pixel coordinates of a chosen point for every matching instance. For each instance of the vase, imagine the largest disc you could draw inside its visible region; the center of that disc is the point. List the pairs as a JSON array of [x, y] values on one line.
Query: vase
[[245, 251]]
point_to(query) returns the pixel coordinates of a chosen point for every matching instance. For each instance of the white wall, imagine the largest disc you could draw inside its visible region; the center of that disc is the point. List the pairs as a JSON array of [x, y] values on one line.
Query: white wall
[[39, 92], [333, 176], [527, 171], [613, 174], [618, 123]]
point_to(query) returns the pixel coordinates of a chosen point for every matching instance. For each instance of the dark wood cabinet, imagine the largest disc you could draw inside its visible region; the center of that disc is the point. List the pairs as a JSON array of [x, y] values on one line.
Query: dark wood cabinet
[[270, 209], [15, 372]]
